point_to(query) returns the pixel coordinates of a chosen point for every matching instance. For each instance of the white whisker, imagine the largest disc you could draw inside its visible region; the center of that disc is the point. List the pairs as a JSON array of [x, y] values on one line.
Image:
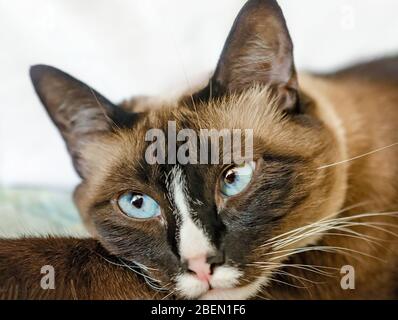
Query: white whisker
[[319, 227], [294, 231], [329, 249], [358, 157]]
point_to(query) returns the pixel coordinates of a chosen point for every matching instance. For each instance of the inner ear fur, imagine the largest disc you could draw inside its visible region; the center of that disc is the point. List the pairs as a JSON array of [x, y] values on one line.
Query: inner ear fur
[[79, 112]]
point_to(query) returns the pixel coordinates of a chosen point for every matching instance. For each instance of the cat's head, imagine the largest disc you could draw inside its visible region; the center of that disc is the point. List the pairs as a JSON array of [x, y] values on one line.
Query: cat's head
[[204, 230]]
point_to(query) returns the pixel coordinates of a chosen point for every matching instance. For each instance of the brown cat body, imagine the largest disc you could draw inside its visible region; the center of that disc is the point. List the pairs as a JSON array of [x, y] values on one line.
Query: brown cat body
[[365, 98], [83, 271]]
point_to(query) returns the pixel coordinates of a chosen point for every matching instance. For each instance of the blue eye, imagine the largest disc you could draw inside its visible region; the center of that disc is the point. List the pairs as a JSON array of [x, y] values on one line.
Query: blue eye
[[140, 206], [236, 179]]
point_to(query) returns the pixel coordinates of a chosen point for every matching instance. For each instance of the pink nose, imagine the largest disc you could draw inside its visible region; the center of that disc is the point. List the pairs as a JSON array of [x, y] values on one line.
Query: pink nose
[[200, 267]]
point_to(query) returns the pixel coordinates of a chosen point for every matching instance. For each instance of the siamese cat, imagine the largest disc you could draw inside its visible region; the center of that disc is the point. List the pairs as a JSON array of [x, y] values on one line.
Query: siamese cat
[[312, 216]]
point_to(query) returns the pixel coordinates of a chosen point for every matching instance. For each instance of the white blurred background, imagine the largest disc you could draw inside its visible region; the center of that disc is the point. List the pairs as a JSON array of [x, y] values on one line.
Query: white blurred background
[[129, 47]]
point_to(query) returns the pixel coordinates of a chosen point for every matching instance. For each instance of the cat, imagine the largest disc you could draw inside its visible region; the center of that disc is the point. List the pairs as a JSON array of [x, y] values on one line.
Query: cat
[[316, 205]]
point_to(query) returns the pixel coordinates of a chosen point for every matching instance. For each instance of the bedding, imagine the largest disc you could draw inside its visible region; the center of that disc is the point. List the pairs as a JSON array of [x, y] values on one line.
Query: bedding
[[35, 211]]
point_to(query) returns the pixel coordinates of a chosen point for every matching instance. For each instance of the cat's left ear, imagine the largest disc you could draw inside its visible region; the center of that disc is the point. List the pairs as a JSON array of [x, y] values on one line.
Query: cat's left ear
[[80, 113], [259, 51]]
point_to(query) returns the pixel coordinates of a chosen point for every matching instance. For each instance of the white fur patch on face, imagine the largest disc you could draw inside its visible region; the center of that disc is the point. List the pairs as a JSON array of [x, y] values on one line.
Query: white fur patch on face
[[240, 293], [192, 239], [225, 277], [190, 287]]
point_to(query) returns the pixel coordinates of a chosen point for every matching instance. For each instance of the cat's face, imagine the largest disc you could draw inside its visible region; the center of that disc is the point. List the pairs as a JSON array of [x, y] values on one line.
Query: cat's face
[[196, 218], [204, 230]]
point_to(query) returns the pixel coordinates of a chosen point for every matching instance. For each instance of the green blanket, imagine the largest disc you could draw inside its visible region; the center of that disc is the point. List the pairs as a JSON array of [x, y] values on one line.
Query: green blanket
[[30, 212]]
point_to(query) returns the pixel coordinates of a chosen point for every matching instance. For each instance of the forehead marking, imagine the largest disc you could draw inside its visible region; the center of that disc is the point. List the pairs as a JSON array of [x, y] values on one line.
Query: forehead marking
[[193, 241]]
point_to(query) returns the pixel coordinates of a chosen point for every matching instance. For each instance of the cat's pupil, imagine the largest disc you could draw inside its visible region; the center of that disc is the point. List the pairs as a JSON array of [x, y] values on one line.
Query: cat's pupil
[[230, 177], [137, 201]]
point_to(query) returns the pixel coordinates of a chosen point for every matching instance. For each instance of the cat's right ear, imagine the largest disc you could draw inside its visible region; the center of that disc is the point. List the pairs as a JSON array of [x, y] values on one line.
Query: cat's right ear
[[80, 113], [258, 51]]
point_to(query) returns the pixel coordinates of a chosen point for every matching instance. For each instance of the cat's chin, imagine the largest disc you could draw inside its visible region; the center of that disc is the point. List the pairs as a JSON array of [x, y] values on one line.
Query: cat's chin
[[238, 293]]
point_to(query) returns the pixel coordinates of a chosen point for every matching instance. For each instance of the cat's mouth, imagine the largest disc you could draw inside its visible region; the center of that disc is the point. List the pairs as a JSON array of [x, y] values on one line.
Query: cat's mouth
[[223, 284]]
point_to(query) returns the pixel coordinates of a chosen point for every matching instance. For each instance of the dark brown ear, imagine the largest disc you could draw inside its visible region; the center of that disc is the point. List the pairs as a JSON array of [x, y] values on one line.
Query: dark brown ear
[[259, 51], [79, 112]]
